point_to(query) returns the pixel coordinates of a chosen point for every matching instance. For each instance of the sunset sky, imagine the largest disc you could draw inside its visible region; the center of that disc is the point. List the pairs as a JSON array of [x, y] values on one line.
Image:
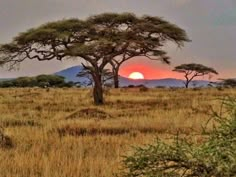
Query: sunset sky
[[210, 24]]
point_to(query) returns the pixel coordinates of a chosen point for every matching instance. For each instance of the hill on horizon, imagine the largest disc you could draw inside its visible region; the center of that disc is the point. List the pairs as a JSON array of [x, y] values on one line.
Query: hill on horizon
[[71, 72]]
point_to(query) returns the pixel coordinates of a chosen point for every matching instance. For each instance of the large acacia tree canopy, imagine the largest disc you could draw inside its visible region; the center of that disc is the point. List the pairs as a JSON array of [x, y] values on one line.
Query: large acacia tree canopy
[[96, 39]]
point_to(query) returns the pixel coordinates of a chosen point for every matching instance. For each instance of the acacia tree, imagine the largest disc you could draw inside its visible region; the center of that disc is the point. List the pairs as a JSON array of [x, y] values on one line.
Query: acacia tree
[[97, 40], [146, 37], [193, 70], [228, 82]]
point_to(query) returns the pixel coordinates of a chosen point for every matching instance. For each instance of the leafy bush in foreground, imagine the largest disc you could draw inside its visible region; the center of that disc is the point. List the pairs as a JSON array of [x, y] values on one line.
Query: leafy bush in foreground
[[216, 157]]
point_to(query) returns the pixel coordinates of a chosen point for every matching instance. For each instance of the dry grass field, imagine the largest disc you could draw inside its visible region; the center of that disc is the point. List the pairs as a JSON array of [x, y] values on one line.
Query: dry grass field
[[60, 133]]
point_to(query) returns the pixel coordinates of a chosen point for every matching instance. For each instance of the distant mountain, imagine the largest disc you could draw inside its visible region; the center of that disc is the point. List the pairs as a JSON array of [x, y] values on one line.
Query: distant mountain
[[70, 75]]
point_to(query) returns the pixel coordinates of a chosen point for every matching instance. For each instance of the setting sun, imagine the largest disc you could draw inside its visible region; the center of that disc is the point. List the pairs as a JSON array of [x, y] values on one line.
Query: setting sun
[[136, 75]]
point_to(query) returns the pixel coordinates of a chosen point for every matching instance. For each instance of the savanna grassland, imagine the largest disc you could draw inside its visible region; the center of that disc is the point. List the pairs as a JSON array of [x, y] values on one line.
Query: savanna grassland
[[60, 133]]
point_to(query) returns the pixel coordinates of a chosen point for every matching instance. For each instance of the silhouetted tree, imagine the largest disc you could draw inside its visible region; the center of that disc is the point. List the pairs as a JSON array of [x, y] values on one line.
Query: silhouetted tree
[[98, 40], [229, 82], [193, 70]]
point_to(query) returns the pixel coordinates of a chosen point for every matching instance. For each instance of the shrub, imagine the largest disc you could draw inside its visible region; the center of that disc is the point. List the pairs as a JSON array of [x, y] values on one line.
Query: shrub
[[216, 157], [143, 89], [5, 141], [39, 81]]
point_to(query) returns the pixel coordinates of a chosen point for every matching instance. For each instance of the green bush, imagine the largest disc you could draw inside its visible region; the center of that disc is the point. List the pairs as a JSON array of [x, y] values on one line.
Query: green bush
[[216, 157], [38, 81]]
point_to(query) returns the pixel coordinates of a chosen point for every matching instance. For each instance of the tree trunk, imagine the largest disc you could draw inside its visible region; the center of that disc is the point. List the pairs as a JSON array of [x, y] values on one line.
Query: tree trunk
[[187, 80], [98, 90], [186, 85], [116, 77], [116, 81]]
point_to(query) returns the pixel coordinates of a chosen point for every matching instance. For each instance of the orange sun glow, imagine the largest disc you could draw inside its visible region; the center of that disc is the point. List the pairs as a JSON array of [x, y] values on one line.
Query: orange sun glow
[[136, 75]]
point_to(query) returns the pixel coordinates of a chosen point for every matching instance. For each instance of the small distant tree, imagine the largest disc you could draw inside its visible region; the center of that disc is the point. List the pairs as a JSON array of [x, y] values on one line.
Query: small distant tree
[[229, 82], [24, 82], [50, 80], [193, 70]]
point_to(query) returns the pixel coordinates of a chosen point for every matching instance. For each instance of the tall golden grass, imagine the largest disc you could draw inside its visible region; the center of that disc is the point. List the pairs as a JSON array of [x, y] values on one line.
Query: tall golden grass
[[60, 133]]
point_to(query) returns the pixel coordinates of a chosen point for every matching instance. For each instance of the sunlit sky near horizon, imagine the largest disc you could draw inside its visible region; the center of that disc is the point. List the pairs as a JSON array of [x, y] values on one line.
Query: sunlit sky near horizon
[[210, 24]]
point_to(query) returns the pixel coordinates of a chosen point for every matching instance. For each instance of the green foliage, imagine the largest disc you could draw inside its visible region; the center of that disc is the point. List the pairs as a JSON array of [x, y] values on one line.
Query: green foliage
[[216, 157], [38, 81], [52, 80]]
